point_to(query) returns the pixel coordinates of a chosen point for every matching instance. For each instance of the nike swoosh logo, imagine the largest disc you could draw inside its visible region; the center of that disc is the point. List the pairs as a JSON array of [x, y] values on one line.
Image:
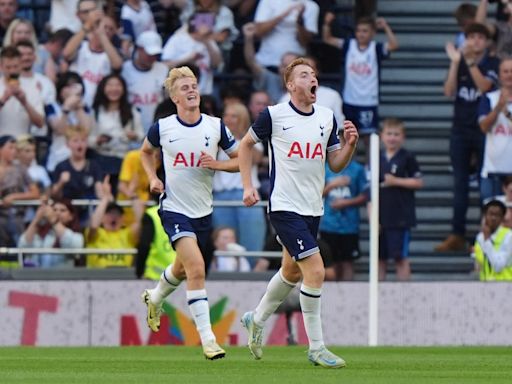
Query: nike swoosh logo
[[287, 128], [172, 141]]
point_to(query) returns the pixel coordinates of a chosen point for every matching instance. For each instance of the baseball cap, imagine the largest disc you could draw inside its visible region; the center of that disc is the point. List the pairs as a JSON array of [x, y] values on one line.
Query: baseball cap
[[4, 139], [150, 41]]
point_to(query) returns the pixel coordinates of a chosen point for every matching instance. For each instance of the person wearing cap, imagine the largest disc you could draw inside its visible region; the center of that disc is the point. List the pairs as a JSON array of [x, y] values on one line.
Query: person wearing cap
[[15, 185], [107, 231], [144, 76]]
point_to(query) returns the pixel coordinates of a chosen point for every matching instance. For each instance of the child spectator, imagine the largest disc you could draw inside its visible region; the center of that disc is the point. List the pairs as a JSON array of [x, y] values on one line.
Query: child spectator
[[15, 184], [362, 60], [465, 15], [107, 231], [495, 118], [69, 110], [224, 239], [54, 226], [493, 245], [77, 177], [118, 126], [471, 73], [400, 176], [344, 193]]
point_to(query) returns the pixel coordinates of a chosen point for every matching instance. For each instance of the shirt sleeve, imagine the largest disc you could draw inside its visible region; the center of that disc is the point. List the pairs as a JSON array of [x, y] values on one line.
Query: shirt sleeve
[[382, 51], [227, 140], [484, 107], [154, 135], [334, 141], [413, 168], [262, 127], [263, 11], [498, 258], [311, 17]]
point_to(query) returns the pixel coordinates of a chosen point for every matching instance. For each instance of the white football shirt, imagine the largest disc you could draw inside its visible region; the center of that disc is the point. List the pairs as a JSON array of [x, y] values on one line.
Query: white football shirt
[[188, 186], [145, 89], [299, 143]]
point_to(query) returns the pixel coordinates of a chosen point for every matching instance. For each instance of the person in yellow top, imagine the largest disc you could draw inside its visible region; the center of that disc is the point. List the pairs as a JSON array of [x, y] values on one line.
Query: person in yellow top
[[493, 245], [107, 230], [133, 182]]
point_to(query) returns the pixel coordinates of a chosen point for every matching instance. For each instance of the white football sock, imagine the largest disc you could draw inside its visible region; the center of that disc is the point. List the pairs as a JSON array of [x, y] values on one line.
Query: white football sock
[[167, 284], [198, 304], [277, 290], [310, 304]]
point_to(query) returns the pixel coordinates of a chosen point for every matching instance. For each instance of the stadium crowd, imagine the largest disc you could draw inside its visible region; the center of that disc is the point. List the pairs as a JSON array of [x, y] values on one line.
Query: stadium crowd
[[79, 93]]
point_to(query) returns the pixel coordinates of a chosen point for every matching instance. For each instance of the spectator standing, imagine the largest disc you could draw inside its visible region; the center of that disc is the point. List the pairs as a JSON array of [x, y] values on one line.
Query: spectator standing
[[49, 60], [91, 53], [500, 31], [15, 184], [507, 200], [117, 127], [54, 226], [20, 104], [362, 60], [344, 193], [493, 245], [471, 73], [69, 110], [265, 79], [495, 118], [464, 14], [224, 29], [8, 10], [136, 17], [194, 44], [63, 14], [144, 76], [249, 223], [400, 176], [284, 26]]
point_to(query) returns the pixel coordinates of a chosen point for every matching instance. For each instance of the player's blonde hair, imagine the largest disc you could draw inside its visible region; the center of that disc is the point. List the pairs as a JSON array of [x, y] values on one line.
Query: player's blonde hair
[[75, 130], [174, 75], [290, 67]]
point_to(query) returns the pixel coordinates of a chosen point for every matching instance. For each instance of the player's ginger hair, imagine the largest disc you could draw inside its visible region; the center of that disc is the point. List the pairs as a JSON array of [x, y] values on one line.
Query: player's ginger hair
[[174, 75], [290, 67]]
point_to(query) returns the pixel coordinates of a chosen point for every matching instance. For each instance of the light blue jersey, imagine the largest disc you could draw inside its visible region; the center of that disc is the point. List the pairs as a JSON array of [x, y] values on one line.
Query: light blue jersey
[[344, 221]]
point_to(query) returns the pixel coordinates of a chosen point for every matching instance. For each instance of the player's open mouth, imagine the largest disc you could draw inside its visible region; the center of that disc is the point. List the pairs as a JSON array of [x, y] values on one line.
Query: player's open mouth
[[313, 89], [191, 97]]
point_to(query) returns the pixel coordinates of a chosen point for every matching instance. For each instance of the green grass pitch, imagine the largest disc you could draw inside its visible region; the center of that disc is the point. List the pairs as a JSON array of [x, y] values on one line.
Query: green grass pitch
[[183, 365]]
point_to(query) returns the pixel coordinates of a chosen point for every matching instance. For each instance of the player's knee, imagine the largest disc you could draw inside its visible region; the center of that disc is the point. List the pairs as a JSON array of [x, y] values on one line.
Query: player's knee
[[292, 275], [196, 272]]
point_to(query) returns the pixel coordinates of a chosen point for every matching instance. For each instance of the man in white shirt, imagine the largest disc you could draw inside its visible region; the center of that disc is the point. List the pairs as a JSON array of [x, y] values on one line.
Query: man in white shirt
[[284, 26], [20, 103], [303, 136], [144, 76], [91, 53]]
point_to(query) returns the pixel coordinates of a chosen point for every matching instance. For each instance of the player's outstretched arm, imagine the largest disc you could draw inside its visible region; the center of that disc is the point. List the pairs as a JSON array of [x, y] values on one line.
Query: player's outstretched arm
[[339, 159], [245, 155]]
